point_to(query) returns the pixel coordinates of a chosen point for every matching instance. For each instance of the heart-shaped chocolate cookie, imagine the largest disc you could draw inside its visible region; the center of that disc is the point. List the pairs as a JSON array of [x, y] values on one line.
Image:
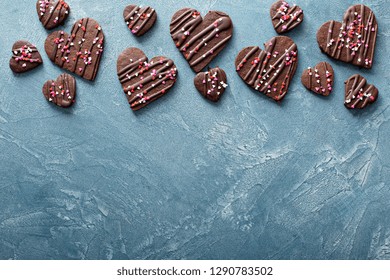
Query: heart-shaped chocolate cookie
[[353, 40], [285, 17], [211, 84], [81, 51], [144, 81], [200, 40], [269, 71], [139, 19], [25, 57], [358, 93], [52, 13], [61, 92], [320, 79]]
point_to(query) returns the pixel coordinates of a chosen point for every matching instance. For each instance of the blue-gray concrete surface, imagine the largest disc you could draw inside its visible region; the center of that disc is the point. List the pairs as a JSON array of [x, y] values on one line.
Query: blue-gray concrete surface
[[183, 178]]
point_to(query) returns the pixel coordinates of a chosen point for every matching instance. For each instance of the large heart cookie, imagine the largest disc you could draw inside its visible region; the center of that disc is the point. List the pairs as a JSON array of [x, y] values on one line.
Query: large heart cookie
[[144, 81], [320, 79], [353, 40], [139, 19], [61, 92], [81, 51], [358, 93], [25, 57], [285, 17], [200, 40], [269, 71], [52, 13]]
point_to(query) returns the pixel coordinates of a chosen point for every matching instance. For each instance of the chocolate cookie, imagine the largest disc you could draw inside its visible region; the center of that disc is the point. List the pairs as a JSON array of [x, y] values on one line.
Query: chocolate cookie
[[79, 52], [285, 17], [211, 84], [25, 57], [139, 19], [353, 40], [200, 40], [359, 94], [269, 71], [61, 92], [144, 81], [319, 79], [52, 13]]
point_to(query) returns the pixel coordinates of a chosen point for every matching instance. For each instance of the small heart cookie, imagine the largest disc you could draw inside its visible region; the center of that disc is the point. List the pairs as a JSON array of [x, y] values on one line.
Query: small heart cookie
[[320, 79], [25, 57], [139, 19], [358, 93], [269, 71], [143, 81], [285, 17], [211, 84], [81, 51], [199, 39], [62, 91], [353, 40], [52, 13]]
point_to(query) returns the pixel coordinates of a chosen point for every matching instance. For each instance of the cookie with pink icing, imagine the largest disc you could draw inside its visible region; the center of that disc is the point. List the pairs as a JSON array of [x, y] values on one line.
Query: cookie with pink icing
[[353, 40], [199, 39], [25, 57], [270, 70], [144, 81], [80, 51], [139, 19], [62, 91], [52, 13], [359, 93], [285, 17], [319, 79]]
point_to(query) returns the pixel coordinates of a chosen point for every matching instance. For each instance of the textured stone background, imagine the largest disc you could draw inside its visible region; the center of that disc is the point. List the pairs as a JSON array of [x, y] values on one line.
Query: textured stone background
[[186, 179]]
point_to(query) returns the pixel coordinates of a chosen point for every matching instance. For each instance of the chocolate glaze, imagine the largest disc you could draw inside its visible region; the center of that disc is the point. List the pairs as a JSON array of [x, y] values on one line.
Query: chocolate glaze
[[61, 92], [52, 13], [358, 93], [320, 79], [285, 17], [211, 84], [144, 81], [139, 19], [25, 57], [269, 71], [200, 40], [352, 41], [79, 52]]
